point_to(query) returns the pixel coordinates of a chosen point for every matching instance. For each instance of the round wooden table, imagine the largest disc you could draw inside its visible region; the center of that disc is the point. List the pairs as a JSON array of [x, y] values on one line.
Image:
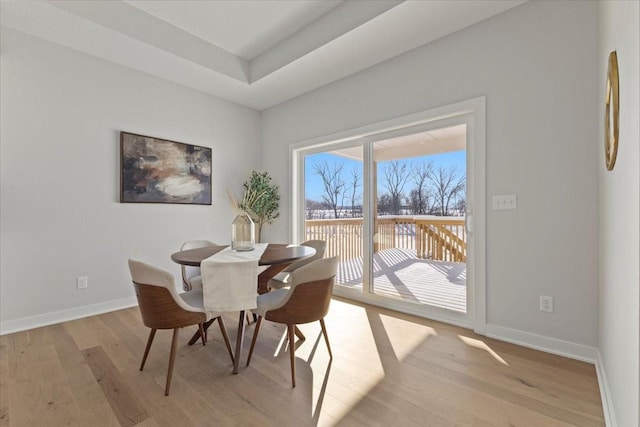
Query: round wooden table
[[277, 256]]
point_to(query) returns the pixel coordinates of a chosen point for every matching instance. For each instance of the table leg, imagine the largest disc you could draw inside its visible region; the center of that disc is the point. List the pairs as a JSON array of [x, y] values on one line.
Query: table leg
[[239, 340], [196, 336]]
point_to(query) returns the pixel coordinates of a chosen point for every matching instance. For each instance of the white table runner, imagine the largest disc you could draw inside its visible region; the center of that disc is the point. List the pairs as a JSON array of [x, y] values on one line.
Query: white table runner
[[229, 279]]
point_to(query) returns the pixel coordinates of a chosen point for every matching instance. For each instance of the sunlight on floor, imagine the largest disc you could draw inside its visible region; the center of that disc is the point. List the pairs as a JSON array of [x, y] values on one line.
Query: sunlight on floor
[[357, 367], [482, 346], [356, 358], [405, 336], [282, 344]]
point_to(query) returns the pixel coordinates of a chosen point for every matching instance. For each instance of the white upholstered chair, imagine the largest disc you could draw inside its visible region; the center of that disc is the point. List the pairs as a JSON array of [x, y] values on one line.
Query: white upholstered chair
[[161, 307], [282, 279], [306, 300], [191, 277]]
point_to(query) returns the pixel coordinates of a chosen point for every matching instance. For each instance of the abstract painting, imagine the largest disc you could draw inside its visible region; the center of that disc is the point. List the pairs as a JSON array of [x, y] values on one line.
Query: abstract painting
[[155, 170]]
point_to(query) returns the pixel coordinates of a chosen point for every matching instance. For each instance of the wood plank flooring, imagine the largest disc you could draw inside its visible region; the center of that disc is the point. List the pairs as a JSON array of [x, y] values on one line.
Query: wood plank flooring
[[388, 369]]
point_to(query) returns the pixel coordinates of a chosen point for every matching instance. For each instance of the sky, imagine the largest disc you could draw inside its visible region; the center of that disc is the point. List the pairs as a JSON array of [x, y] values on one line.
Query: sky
[[313, 183]]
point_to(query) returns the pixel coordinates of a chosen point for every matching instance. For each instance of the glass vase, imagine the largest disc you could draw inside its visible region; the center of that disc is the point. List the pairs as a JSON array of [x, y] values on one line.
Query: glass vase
[[243, 236]]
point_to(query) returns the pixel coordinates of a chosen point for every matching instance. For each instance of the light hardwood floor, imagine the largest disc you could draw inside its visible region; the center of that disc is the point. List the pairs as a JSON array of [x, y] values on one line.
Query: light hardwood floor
[[388, 369]]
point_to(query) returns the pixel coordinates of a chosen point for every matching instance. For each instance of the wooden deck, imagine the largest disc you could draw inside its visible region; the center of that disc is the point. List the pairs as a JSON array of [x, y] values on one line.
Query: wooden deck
[[398, 273]]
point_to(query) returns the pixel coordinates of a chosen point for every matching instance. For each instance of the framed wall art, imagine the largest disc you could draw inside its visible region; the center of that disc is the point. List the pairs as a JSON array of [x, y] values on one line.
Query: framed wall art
[[154, 170]]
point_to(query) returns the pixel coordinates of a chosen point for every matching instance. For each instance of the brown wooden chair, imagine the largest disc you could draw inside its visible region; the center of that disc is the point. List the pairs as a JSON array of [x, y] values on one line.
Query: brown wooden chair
[[306, 300], [162, 308], [283, 278]]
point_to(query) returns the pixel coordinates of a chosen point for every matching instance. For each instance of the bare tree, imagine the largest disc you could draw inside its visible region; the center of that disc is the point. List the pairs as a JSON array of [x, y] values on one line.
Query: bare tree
[[461, 205], [446, 184], [356, 175], [313, 206], [396, 176], [419, 198], [416, 202], [331, 176], [384, 204]]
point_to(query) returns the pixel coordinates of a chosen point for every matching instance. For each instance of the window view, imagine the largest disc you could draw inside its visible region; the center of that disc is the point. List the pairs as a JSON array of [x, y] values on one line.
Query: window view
[[419, 242], [334, 209]]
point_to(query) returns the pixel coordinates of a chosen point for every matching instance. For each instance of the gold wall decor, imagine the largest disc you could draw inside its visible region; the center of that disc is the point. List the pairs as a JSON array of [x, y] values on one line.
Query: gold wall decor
[[611, 113]]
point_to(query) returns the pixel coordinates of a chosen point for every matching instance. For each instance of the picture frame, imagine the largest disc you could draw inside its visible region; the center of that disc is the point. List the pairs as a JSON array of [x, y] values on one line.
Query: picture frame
[[156, 170]]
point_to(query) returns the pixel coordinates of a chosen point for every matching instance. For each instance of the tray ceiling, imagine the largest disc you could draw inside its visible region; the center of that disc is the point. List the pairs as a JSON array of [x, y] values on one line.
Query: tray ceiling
[[255, 53]]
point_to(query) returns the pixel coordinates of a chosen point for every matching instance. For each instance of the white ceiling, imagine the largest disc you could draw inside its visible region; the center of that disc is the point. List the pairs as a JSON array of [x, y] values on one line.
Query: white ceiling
[[257, 53], [243, 28]]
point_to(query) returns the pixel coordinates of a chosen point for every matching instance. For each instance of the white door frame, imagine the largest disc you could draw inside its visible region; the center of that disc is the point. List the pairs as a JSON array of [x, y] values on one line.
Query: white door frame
[[470, 112]]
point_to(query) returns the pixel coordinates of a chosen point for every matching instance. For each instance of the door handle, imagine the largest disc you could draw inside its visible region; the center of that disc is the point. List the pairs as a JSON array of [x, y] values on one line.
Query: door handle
[[468, 221]]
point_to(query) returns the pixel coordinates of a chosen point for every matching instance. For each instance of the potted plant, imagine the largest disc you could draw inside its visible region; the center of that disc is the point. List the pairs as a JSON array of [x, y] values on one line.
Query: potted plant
[[260, 201]]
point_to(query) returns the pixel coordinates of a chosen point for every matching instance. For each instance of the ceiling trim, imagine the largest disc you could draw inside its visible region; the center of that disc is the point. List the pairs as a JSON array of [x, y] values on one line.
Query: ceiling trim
[[130, 21], [349, 38], [336, 23]]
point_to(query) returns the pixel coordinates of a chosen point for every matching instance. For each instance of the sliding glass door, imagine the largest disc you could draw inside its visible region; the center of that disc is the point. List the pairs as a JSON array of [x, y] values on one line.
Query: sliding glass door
[[395, 206]]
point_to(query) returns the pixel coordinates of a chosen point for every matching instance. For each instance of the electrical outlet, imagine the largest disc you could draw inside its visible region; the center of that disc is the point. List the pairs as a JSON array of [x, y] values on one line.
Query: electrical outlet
[[82, 282], [546, 304]]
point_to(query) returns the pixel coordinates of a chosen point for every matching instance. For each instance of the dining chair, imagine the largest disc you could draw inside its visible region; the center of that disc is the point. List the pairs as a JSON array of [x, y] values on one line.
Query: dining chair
[[191, 277], [306, 300], [161, 307], [282, 279]]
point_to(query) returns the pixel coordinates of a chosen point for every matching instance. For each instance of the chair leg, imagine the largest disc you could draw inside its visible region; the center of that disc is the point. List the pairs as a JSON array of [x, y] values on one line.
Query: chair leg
[[326, 337], [196, 336], [203, 334], [172, 359], [292, 353], [152, 334], [299, 334], [251, 316], [223, 330], [253, 341]]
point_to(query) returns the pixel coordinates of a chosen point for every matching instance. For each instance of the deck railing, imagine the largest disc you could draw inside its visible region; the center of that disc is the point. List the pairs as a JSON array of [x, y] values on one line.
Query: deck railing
[[437, 238]]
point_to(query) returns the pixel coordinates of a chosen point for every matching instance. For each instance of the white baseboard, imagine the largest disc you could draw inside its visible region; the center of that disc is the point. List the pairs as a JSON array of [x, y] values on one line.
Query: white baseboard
[[605, 394], [540, 342], [31, 322], [562, 348]]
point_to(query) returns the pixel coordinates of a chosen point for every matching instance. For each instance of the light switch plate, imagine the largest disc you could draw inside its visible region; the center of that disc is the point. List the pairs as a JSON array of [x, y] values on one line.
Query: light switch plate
[[504, 201]]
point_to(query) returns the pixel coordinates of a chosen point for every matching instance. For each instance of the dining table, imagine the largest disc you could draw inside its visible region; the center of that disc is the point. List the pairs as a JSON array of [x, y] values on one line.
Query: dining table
[[276, 257]]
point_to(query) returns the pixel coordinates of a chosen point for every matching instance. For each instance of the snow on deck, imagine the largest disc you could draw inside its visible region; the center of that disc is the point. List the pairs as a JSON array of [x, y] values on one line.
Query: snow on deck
[[399, 274]]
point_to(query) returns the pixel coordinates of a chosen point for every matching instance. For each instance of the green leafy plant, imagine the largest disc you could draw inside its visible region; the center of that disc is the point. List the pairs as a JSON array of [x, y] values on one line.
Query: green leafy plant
[[260, 201]]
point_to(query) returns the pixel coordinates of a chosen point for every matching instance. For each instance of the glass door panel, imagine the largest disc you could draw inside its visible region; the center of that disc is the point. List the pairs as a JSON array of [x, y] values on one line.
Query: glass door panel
[[419, 242], [334, 209]]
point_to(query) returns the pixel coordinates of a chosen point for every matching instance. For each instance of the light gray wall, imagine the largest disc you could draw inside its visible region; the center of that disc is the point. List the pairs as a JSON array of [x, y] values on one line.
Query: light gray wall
[[619, 257], [61, 113], [537, 66]]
